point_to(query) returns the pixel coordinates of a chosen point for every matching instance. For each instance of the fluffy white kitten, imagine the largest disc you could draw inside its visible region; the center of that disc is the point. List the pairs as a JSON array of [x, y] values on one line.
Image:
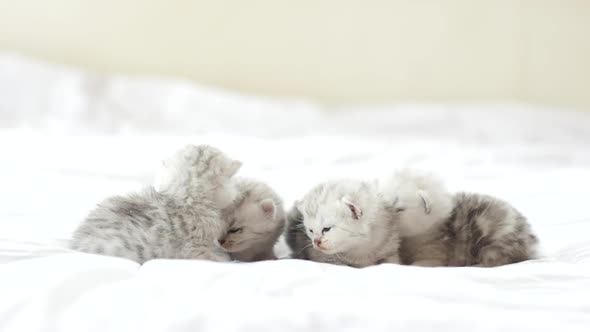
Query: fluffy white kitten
[[423, 197], [349, 222]]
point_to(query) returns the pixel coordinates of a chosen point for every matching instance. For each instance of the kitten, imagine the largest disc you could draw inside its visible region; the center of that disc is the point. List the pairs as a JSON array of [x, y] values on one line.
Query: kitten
[[254, 222], [348, 223], [180, 218], [441, 229], [423, 197]]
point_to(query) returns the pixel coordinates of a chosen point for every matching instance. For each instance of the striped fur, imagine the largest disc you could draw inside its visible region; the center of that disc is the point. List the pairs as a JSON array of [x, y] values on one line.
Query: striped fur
[[481, 230], [179, 220], [431, 226]]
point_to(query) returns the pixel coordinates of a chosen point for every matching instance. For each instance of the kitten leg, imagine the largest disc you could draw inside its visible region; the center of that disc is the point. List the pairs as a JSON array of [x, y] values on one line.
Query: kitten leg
[[493, 255], [429, 263], [429, 254], [393, 259], [320, 257], [209, 253], [218, 257], [510, 249], [265, 256]]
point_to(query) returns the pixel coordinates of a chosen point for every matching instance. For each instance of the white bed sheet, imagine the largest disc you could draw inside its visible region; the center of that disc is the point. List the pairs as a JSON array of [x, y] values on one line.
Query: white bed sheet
[[69, 138]]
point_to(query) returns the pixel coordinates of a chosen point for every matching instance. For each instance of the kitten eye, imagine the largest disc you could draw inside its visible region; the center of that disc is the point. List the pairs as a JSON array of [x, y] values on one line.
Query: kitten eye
[[311, 230], [235, 230], [326, 229]]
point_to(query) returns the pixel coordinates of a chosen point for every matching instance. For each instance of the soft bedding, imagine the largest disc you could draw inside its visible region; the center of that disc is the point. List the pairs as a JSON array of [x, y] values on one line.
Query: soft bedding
[[69, 138]]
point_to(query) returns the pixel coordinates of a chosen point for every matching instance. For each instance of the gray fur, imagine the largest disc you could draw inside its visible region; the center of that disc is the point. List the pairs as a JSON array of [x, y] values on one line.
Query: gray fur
[[179, 220], [481, 230], [295, 236], [255, 230], [435, 228]]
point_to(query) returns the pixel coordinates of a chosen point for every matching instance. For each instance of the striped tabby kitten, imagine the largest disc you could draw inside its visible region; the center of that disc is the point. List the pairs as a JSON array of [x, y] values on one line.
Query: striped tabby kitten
[[441, 229], [255, 222], [347, 223], [180, 218]]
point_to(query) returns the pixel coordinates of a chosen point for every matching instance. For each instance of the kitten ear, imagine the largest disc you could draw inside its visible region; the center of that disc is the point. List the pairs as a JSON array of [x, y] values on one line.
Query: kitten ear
[[398, 205], [425, 201], [355, 209], [233, 168], [268, 208]]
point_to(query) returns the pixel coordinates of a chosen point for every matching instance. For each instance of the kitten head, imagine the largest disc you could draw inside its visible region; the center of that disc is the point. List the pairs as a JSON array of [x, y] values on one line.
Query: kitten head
[[422, 196], [339, 216], [199, 167], [256, 218]]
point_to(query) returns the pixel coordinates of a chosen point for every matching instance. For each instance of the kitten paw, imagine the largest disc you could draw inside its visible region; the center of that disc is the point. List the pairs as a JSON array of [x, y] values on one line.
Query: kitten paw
[[428, 263]]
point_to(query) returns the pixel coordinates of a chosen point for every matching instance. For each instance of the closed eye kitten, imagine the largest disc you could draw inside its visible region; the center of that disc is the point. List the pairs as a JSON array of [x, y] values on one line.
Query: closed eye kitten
[[255, 222], [179, 219], [349, 223], [474, 229]]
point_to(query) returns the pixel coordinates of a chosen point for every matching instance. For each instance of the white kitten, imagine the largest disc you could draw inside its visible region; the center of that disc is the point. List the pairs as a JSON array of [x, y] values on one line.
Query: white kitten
[[348, 222], [254, 222], [423, 197]]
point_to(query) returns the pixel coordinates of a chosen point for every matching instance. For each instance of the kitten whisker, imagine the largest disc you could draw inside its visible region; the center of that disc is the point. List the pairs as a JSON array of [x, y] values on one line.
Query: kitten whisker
[[302, 249]]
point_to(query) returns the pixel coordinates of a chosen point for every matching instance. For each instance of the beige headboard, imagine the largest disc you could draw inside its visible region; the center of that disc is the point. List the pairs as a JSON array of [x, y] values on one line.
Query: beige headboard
[[331, 50]]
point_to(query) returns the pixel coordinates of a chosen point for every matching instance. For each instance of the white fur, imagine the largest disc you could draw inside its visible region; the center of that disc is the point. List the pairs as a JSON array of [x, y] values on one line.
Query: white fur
[[175, 172], [227, 195], [181, 219], [348, 219], [423, 197], [172, 173]]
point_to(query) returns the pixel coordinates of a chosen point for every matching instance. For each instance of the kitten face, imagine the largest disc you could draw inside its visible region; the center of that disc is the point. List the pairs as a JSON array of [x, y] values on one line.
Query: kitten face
[[336, 218], [250, 223]]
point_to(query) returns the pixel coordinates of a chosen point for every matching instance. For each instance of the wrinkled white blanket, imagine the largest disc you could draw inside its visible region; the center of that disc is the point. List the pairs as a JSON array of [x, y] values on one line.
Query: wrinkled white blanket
[[69, 138]]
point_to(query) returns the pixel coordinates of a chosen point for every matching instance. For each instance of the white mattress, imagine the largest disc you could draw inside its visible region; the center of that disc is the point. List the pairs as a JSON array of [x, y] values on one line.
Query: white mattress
[[69, 138]]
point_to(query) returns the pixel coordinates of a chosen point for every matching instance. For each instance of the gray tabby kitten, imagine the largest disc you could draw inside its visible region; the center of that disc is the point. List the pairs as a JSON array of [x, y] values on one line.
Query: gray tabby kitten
[[179, 219], [254, 222], [441, 229], [347, 223]]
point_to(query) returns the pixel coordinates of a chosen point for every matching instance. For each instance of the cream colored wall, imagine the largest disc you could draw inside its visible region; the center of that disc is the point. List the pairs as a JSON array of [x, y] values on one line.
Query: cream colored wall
[[332, 50]]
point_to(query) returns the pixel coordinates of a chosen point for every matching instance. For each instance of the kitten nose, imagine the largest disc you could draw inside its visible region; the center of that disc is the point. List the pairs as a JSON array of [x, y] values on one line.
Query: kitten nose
[[317, 242]]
